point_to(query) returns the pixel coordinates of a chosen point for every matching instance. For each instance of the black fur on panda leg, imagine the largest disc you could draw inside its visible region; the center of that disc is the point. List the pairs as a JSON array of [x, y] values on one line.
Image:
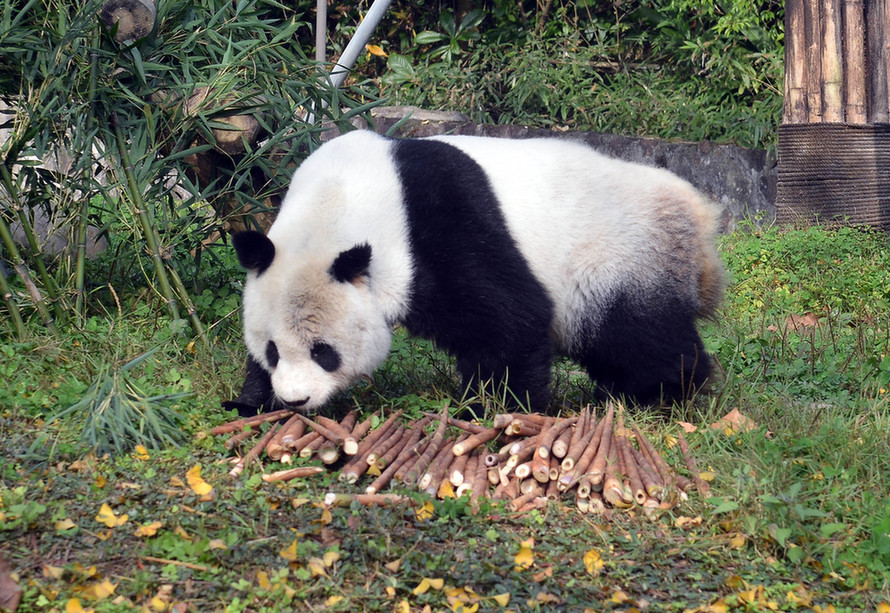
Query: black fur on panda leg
[[256, 393], [650, 355]]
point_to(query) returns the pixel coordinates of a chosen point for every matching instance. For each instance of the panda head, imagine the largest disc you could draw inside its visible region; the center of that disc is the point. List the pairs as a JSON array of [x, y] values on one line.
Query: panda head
[[310, 319]]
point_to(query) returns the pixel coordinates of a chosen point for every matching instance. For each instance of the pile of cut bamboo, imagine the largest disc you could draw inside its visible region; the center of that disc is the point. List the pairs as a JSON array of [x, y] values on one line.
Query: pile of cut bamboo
[[537, 458]]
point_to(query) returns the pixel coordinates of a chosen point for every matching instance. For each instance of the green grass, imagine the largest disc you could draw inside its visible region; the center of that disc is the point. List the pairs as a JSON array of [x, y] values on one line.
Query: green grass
[[798, 511]]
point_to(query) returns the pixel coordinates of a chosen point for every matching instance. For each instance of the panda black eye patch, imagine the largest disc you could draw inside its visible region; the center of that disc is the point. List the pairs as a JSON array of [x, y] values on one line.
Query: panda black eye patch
[[325, 356], [272, 354]]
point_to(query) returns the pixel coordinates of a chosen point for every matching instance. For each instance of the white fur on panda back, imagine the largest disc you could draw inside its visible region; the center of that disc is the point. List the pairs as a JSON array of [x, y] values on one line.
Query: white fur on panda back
[[348, 193], [588, 224]]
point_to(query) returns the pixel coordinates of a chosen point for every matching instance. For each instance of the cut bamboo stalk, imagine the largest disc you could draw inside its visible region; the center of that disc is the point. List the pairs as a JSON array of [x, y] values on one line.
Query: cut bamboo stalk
[[293, 473], [598, 465], [423, 461], [432, 476], [292, 429], [552, 491], [549, 436], [410, 440], [328, 453], [581, 436], [597, 444], [333, 499], [541, 465], [506, 491], [521, 427], [638, 492], [254, 452], [358, 464], [561, 445], [384, 444], [475, 440], [332, 431], [360, 431], [256, 420], [651, 481], [466, 426], [692, 465], [533, 505], [595, 504], [296, 447], [235, 441], [411, 460], [312, 446], [459, 469], [667, 474], [468, 478], [613, 488], [521, 500], [493, 459], [387, 457], [505, 419], [523, 471], [480, 483], [553, 474]]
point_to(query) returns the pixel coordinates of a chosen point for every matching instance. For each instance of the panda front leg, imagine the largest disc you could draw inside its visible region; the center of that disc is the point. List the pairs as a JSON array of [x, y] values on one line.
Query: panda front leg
[[256, 392], [521, 379]]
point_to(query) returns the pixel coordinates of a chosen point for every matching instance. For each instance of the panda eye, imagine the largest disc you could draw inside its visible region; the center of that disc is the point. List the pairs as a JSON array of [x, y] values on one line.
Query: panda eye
[[272, 354], [325, 356]]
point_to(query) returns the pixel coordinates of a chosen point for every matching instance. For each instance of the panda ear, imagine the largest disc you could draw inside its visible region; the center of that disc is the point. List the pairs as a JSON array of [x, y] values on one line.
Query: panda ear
[[255, 250], [351, 264]]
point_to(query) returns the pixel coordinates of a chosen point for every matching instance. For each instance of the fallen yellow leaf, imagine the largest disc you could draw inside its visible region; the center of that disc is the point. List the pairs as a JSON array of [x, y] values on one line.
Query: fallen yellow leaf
[[737, 541], [176, 481], [593, 562], [330, 557], [706, 475], [502, 599], [687, 427], [196, 483], [107, 517], [148, 529], [801, 597], [141, 453], [333, 600], [64, 524], [316, 567], [445, 490], [883, 607], [262, 580], [426, 583], [73, 606], [289, 553], [376, 50], [524, 559], [100, 481], [733, 422], [425, 512], [216, 544], [102, 589], [403, 607]]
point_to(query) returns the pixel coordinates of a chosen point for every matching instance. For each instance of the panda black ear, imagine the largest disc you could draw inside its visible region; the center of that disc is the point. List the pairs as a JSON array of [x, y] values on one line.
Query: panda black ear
[[351, 264], [255, 250]]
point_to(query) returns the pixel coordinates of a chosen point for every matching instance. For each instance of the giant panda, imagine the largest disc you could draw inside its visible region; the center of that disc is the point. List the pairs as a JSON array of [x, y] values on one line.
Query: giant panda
[[506, 253]]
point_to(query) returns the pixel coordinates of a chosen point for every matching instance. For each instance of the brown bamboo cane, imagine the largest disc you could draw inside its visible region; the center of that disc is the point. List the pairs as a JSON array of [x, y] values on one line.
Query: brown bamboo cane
[[292, 429], [256, 420], [692, 465], [332, 431], [596, 443], [597, 467], [398, 443], [651, 481], [668, 475], [430, 477], [638, 491], [480, 483], [430, 452], [293, 473], [560, 446], [236, 440], [468, 477], [549, 436], [580, 439], [412, 439], [254, 452], [384, 444], [475, 440]]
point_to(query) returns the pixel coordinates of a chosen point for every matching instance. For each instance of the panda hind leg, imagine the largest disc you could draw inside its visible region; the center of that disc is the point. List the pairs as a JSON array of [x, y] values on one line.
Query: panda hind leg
[[651, 358]]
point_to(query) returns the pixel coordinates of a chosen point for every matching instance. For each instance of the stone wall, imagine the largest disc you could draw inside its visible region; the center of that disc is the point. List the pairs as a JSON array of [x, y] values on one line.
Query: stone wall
[[742, 181]]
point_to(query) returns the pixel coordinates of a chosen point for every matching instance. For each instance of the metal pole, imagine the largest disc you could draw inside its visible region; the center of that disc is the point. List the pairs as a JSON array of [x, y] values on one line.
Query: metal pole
[[321, 29], [359, 40]]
